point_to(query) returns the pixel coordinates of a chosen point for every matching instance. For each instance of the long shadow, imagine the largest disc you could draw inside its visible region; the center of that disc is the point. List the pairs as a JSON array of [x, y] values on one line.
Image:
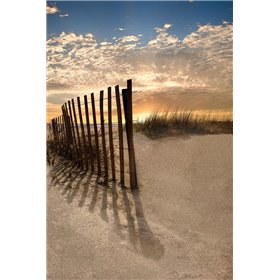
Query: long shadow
[[115, 209], [94, 196], [85, 191], [71, 180], [150, 244], [60, 173], [74, 191], [68, 173], [140, 234], [68, 186], [103, 210], [61, 166], [130, 218]]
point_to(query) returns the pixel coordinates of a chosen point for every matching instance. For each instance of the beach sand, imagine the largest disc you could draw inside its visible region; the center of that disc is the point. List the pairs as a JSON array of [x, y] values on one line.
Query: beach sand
[[177, 226]]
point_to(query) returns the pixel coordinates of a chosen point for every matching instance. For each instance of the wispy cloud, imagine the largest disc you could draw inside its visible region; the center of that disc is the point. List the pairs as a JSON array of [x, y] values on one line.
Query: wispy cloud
[[167, 25], [164, 28], [130, 38], [196, 70], [163, 40], [120, 29], [64, 15], [52, 9]]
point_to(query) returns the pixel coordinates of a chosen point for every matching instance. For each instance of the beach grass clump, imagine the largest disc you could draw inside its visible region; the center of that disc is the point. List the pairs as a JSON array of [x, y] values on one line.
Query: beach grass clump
[[158, 124]]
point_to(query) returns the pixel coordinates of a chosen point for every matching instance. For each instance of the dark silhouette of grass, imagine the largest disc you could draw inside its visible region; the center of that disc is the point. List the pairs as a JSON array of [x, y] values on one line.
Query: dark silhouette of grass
[[158, 125]]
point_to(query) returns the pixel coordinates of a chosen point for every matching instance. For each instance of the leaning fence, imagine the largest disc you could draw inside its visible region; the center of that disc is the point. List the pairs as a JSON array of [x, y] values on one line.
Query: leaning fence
[[87, 134]]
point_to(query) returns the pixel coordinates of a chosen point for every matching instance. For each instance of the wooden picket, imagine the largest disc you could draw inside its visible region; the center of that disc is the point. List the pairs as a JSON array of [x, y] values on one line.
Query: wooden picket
[[80, 142]]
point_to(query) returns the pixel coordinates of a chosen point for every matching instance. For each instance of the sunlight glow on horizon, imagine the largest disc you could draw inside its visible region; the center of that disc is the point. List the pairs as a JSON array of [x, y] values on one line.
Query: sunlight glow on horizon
[[191, 71]]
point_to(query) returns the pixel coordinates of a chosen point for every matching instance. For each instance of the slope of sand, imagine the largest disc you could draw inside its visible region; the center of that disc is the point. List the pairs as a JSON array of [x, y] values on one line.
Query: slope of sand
[[178, 226]]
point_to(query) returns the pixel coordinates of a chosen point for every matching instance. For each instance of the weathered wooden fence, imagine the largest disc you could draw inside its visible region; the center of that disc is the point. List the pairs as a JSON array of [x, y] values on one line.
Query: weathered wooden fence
[[85, 134]]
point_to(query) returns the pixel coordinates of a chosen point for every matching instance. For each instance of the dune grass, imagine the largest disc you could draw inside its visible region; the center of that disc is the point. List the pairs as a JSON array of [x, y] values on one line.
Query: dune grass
[[158, 125]]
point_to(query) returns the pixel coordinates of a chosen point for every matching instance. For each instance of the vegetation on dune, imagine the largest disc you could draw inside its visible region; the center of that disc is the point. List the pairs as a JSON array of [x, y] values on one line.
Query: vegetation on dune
[[158, 125]]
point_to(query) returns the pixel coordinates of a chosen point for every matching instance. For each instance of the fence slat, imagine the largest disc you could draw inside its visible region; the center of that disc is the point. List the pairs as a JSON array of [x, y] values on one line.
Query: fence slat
[[54, 129], [127, 102], [78, 134], [105, 163], [70, 128], [65, 123], [60, 131], [89, 134], [73, 132], [65, 132], [120, 131], [68, 132], [57, 129], [111, 141], [95, 135], [68, 124], [62, 128], [85, 158]]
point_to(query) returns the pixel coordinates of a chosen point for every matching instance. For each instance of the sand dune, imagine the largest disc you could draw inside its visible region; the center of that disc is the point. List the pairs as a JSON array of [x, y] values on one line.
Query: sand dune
[[177, 226]]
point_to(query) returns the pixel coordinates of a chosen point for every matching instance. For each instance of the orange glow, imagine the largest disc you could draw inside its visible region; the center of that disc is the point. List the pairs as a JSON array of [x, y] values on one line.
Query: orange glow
[[140, 113]]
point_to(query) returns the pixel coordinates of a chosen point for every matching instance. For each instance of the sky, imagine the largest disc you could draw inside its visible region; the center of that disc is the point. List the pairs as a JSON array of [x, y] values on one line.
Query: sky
[[178, 54]]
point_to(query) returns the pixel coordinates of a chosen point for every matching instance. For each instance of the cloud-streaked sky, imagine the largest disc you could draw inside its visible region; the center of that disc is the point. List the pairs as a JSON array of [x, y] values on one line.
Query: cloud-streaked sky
[[178, 54]]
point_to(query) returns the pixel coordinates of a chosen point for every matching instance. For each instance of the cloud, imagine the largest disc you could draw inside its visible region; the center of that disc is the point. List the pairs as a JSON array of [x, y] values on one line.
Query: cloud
[[167, 25], [195, 71], [52, 9], [105, 43], [57, 85], [163, 39], [130, 38], [121, 29], [214, 45], [64, 15], [164, 28]]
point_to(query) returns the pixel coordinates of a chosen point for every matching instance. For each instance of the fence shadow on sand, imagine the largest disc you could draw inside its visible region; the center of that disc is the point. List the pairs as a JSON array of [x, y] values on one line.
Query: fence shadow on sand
[[117, 205]]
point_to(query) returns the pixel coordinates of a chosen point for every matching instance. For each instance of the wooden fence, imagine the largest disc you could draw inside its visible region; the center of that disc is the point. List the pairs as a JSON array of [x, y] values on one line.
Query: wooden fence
[[85, 134]]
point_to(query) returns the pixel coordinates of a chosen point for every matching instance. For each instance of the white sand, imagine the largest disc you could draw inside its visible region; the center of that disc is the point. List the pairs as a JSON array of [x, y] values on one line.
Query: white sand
[[179, 226]]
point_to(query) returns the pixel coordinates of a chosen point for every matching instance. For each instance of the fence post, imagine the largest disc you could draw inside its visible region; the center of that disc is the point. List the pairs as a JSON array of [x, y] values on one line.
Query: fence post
[[88, 134], [120, 131], [73, 132], [83, 132], [95, 135], [68, 132], [103, 135], [54, 130], [78, 134], [127, 102], [57, 130], [62, 128], [60, 133], [65, 132], [67, 124], [112, 155]]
